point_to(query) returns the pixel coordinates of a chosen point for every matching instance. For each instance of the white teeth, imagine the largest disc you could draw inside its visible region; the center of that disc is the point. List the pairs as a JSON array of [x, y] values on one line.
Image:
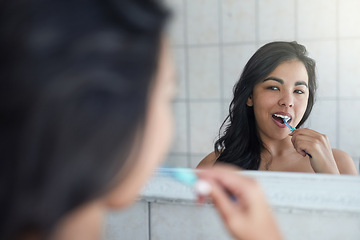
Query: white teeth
[[287, 118]]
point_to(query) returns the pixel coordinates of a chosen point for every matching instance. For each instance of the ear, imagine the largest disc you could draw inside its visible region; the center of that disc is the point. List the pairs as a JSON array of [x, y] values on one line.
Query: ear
[[249, 101]]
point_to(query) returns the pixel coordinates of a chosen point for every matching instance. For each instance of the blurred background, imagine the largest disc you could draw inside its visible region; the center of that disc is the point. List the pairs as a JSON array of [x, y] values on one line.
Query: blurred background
[[213, 39]]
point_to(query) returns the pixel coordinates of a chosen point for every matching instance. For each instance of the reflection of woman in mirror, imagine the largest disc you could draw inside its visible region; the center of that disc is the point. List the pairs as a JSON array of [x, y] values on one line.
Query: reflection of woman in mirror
[[277, 83], [86, 117]]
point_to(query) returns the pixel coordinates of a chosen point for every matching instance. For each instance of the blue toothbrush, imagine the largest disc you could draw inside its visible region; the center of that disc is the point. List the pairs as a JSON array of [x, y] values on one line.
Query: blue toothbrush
[[292, 129], [183, 175], [188, 177]]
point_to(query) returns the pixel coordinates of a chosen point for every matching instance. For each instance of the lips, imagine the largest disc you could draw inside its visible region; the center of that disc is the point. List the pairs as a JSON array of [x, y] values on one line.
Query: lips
[[278, 118]]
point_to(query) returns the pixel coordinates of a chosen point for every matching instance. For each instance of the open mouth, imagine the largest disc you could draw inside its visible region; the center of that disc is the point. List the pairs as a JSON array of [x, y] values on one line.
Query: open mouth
[[280, 118]]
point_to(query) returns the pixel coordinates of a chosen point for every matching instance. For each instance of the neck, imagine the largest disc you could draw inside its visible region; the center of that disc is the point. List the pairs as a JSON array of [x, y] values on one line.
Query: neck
[[276, 147]]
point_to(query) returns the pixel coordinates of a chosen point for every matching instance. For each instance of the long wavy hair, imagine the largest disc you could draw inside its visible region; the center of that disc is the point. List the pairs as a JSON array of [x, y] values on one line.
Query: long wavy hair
[[76, 77], [240, 143]]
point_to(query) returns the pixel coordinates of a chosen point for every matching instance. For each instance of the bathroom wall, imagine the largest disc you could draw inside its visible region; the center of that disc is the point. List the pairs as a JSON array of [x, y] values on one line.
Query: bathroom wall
[[306, 206], [213, 39]]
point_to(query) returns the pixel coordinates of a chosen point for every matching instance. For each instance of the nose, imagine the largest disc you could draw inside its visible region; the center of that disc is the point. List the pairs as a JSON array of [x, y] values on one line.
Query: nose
[[286, 100]]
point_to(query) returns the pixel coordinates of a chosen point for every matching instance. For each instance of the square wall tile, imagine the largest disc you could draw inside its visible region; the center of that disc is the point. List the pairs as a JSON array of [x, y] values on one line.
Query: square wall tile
[[324, 119], [238, 21], [180, 140], [177, 160], [196, 159], [205, 122], [276, 20], [349, 69], [234, 58], [357, 163], [325, 55], [117, 223], [349, 134], [181, 221], [202, 21], [176, 25], [180, 71], [316, 225], [349, 18], [225, 104], [316, 19], [204, 73]]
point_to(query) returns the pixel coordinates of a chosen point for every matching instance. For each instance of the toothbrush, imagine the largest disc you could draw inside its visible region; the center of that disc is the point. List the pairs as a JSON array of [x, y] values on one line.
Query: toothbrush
[[188, 177], [183, 175], [292, 129]]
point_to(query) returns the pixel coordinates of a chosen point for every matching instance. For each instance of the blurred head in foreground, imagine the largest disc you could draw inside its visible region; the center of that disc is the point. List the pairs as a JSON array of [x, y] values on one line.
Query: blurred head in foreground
[[85, 111]]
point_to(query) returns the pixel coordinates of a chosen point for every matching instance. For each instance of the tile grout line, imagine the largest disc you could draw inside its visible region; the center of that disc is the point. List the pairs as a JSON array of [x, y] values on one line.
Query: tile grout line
[[296, 20], [337, 76], [257, 27], [187, 83], [149, 220], [221, 60]]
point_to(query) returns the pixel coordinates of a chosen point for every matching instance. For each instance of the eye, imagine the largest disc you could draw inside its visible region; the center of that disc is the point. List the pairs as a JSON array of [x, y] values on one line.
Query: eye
[[299, 91], [272, 88]]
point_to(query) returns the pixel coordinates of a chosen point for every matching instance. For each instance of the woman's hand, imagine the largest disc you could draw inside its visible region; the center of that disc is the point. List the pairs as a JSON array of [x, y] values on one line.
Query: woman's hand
[[307, 141], [241, 204]]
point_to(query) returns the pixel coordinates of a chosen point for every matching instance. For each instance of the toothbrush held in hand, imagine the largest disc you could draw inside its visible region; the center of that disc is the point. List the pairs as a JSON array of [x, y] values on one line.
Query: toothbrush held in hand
[[188, 177], [292, 129]]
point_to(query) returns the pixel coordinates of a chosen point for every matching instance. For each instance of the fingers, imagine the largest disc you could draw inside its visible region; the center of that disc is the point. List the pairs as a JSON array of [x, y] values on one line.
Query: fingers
[[249, 212], [303, 144], [318, 146], [309, 141], [233, 182]]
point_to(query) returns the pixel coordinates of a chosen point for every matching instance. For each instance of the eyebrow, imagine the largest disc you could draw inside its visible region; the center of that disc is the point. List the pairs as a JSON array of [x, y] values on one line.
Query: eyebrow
[[297, 83]]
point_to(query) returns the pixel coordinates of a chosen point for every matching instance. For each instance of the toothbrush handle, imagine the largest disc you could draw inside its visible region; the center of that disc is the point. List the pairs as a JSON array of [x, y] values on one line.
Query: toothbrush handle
[[292, 129]]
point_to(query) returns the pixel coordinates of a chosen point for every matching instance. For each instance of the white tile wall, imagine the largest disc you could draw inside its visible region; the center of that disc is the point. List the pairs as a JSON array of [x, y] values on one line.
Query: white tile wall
[[349, 68], [177, 29], [323, 119], [349, 20], [204, 75], [213, 39], [135, 216], [276, 20], [238, 21], [195, 159], [180, 64], [165, 227], [178, 160], [202, 21], [205, 118], [180, 140], [234, 58], [316, 19], [310, 222], [349, 132], [325, 54]]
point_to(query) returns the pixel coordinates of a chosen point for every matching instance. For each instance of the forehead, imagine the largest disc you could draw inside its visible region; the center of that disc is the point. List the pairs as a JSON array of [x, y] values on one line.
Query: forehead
[[293, 70]]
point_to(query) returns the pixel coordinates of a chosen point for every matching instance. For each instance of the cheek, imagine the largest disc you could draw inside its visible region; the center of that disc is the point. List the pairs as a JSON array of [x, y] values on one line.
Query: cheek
[[300, 109], [264, 103]]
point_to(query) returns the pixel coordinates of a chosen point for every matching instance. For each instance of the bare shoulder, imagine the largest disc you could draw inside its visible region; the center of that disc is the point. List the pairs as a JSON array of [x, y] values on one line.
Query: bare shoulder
[[208, 161], [344, 162]]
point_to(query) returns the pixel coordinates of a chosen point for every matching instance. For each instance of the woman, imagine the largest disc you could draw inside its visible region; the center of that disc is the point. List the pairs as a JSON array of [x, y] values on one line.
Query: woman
[[86, 117], [277, 84]]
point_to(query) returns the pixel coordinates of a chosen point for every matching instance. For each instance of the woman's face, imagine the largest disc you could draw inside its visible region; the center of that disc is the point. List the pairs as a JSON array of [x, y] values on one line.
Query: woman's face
[[284, 92], [155, 142]]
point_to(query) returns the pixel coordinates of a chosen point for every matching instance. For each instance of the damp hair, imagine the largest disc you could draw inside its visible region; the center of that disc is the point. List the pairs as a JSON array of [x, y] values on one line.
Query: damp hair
[[76, 76], [239, 142]]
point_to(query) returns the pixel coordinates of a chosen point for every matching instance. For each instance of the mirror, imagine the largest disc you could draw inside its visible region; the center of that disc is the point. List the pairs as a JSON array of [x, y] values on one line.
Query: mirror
[[212, 41]]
